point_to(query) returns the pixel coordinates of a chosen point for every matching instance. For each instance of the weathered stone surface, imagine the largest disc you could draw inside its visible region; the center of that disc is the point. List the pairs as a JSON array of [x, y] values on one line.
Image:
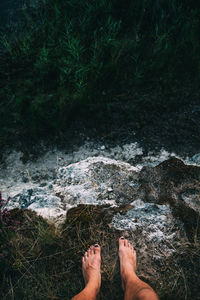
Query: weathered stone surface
[[153, 231], [169, 180], [41, 200], [98, 180], [155, 207], [175, 183], [154, 221], [162, 197]]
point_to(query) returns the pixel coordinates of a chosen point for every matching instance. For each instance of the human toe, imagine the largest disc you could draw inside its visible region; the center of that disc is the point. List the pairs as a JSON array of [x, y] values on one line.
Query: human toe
[[121, 241], [97, 249], [126, 242]]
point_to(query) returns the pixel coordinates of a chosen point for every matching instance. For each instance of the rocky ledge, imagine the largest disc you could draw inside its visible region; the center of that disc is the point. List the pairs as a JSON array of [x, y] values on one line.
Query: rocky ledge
[[156, 207]]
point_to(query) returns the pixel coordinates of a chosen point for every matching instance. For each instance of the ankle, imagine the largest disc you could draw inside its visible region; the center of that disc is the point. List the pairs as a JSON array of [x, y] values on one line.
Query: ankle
[[129, 276], [146, 293], [93, 287]]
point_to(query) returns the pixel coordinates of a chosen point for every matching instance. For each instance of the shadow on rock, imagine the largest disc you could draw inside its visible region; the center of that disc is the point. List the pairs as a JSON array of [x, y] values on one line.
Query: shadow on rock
[[177, 184]]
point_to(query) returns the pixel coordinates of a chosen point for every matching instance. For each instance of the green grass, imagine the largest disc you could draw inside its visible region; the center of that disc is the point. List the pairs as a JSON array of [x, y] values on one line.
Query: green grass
[[75, 57]]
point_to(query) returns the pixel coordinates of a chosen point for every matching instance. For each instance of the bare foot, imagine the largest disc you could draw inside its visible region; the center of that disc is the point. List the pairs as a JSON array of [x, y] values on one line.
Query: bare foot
[[127, 256], [91, 263]]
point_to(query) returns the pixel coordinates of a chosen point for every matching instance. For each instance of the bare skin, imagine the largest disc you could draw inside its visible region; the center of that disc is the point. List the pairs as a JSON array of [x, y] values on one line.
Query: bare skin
[[134, 288], [91, 264]]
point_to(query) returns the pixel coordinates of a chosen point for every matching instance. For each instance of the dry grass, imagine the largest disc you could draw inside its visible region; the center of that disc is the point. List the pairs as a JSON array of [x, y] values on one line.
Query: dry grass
[[46, 263]]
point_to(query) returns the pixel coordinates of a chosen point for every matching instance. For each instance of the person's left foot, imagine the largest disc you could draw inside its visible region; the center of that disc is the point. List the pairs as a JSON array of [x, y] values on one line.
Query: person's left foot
[[91, 264]]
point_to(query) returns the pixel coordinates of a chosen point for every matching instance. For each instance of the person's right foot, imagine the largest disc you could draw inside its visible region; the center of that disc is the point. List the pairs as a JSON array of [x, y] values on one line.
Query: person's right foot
[[127, 257]]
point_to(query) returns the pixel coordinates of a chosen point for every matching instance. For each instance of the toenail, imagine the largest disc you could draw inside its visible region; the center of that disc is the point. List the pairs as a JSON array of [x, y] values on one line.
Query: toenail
[[122, 238], [96, 245]]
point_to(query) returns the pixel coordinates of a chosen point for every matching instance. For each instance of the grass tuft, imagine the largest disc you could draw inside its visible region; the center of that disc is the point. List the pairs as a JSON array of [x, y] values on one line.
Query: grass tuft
[[46, 262]]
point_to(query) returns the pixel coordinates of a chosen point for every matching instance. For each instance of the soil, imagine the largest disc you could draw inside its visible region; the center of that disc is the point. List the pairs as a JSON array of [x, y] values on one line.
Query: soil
[[175, 131], [55, 259]]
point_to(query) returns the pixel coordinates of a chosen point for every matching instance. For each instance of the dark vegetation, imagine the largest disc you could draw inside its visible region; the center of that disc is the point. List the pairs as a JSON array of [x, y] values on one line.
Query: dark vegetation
[[44, 263], [91, 60]]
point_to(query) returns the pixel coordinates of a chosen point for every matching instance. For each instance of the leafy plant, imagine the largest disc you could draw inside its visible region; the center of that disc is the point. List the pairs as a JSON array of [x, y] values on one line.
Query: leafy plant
[[74, 57]]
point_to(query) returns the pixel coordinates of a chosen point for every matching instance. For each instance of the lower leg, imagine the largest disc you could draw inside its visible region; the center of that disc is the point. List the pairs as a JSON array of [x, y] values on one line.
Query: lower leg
[[88, 293], [134, 288], [91, 263]]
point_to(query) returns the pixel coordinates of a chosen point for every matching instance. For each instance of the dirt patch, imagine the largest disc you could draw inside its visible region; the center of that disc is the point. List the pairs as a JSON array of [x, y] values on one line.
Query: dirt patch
[[46, 264]]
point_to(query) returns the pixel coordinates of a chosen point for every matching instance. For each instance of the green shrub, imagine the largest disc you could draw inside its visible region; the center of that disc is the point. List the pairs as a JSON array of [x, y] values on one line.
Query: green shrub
[[75, 56]]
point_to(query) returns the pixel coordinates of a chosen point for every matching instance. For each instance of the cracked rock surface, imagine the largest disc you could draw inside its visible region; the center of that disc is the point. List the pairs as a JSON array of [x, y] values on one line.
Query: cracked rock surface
[[163, 199], [155, 203]]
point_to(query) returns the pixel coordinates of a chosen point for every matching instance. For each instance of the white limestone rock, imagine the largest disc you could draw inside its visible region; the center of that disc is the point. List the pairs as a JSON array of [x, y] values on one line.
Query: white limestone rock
[[97, 180]]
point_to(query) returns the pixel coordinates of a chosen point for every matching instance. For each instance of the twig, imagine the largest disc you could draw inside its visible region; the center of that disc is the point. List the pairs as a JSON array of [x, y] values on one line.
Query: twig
[[29, 176]]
